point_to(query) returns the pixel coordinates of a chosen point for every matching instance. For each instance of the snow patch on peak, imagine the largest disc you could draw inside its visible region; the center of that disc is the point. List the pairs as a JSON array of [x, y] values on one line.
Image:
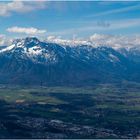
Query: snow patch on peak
[[39, 55], [36, 50], [7, 48], [113, 58]]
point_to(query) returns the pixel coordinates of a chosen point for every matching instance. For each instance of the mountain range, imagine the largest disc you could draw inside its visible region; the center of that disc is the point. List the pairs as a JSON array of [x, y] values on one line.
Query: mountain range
[[30, 61]]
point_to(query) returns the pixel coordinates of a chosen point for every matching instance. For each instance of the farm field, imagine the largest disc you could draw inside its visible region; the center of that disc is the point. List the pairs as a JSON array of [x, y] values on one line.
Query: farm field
[[104, 111]]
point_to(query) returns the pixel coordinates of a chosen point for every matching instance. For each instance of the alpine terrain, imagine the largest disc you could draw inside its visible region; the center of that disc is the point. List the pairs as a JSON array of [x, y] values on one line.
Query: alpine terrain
[[32, 62]]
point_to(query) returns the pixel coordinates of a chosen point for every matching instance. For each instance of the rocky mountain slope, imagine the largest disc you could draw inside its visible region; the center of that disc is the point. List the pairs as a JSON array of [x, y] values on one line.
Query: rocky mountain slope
[[32, 62]]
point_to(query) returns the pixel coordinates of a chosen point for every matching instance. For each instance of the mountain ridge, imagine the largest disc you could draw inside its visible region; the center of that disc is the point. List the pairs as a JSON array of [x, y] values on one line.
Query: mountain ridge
[[35, 62]]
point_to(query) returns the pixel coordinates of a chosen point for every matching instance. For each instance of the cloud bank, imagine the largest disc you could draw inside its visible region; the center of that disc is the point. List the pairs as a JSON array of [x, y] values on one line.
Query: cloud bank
[[114, 41], [4, 40], [28, 31], [7, 8], [95, 40]]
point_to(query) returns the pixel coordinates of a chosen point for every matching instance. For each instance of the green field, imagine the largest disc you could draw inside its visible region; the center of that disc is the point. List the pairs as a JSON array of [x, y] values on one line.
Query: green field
[[110, 108]]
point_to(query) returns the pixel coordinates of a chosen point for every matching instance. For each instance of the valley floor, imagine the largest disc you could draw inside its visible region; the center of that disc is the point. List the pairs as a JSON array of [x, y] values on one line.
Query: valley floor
[[104, 111]]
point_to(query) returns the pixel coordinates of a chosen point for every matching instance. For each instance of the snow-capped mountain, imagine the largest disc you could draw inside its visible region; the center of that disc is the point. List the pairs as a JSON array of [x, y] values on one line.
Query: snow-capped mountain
[[30, 61]]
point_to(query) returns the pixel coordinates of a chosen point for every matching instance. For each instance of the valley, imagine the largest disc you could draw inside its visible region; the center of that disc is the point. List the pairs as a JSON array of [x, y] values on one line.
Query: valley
[[100, 111]]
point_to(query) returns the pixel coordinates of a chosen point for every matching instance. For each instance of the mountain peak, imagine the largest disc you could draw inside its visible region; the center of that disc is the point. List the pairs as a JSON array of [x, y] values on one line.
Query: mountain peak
[[26, 41], [32, 40], [53, 61]]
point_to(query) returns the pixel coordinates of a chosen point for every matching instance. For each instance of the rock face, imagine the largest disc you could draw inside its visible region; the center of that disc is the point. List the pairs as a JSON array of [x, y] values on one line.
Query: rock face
[[32, 62]]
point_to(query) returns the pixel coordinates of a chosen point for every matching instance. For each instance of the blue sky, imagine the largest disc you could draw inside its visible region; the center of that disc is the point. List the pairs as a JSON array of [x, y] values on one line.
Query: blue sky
[[69, 19]]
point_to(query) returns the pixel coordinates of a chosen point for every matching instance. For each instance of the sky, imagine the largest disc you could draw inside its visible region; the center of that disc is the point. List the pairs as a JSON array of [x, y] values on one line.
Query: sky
[[68, 19]]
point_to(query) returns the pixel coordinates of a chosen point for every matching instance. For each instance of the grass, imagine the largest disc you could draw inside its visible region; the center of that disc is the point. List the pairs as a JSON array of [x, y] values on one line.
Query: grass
[[23, 95], [104, 96]]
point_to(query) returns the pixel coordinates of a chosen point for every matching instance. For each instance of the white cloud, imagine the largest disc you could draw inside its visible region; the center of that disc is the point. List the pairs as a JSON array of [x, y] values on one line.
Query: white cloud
[[49, 38], [114, 41], [28, 31], [4, 40], [71, 42], [7, 8]]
